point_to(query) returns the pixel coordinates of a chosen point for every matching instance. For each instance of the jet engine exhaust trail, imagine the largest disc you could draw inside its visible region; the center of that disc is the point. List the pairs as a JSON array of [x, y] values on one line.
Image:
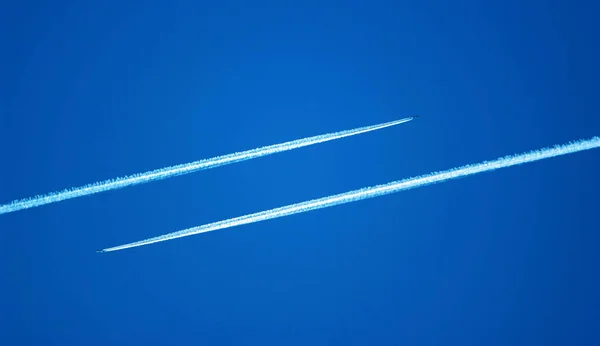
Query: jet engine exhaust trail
[[167, 172], [375, 191]]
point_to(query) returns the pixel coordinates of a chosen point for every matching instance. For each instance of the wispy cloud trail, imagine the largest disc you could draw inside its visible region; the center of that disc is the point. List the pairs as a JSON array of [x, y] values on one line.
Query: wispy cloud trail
[[375, 191], [167, 172]]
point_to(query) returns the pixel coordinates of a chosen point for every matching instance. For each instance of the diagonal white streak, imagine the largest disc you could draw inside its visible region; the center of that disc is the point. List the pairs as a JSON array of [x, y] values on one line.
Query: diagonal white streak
[[167, 172], [375, 191]]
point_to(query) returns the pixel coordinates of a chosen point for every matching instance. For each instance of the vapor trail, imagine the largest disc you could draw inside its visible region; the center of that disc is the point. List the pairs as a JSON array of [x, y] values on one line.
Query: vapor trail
[[375, 191], [167, 172]]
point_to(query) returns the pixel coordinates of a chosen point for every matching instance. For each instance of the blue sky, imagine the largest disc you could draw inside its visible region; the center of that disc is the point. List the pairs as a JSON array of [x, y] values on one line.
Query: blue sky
[[95, 91]]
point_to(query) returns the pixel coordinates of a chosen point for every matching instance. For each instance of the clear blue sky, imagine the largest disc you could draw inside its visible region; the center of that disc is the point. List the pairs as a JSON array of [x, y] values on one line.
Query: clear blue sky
[[94, 91]]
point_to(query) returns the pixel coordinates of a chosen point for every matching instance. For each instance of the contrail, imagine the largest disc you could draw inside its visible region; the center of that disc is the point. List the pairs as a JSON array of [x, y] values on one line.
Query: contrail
[[167, 172], [375, 191]]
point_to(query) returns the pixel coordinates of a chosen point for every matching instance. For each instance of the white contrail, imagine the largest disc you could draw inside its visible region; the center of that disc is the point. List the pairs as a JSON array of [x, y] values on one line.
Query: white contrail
[[374, 191], [167, 172]]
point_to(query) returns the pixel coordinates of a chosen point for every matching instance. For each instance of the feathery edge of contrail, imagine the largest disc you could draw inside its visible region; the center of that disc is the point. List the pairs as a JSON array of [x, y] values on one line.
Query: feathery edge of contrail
[[375, 191], [167, 172]]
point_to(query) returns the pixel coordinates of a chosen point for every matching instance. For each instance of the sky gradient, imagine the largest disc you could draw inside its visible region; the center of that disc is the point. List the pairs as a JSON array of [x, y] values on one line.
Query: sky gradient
[[92, 92]]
